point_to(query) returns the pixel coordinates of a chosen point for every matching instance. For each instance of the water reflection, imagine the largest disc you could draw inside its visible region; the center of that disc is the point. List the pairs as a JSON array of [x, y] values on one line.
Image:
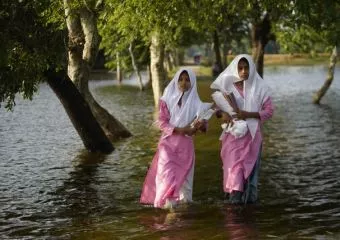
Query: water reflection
[[79, 190], [164, 220], [240, 222]]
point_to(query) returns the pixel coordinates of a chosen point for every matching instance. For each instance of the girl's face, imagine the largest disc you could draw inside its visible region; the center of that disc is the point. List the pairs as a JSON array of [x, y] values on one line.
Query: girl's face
[[184, 83], [243, 70]]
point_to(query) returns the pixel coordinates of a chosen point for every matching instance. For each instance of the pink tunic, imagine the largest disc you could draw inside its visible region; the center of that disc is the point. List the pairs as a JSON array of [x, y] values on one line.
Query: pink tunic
[[239, 155], [170, 166]]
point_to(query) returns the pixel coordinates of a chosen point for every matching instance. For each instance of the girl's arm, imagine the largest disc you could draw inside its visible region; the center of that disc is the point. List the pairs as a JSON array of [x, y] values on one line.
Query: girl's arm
[[267, 110], [164, 118], [164, 122], [264, 114]]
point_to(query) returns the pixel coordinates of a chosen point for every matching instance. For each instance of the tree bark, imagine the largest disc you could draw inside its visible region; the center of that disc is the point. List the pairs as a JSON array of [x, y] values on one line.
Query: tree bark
[[158, 73], [135, 68], [260, 36], [225, 55], [217, 51], [92, 135], [148, 85], [168, 61], [83, 46], [322, 91], [118, 70]]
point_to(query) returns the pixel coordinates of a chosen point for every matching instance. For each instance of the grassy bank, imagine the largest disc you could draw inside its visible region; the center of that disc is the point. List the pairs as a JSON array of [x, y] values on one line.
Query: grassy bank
[[279, 59], [295, 59]]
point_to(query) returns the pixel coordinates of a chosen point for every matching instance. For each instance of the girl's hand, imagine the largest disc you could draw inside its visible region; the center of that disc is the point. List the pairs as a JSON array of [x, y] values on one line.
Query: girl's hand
[[227, 119], [197, 124], [190, 130], [241, 115]]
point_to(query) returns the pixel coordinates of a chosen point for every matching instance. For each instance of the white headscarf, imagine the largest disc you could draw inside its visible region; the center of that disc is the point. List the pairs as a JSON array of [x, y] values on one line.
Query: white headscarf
[[255, 91], [191, 105]]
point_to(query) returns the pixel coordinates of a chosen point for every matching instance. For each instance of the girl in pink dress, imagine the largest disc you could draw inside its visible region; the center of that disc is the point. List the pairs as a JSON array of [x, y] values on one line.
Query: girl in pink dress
[[170, 177], [241, 155]]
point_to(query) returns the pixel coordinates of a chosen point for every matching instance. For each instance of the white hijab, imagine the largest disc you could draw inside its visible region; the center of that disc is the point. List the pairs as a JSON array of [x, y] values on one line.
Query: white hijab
[[255, 91], [191, 105]]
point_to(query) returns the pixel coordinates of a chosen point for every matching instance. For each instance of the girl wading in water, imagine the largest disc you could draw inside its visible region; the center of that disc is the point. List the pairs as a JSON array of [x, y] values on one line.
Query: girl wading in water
[[169, 180], [241, 154]]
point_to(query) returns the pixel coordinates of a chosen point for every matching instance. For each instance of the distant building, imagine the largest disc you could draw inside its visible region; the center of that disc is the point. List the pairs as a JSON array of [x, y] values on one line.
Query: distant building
[[197, 58], [272, 47]]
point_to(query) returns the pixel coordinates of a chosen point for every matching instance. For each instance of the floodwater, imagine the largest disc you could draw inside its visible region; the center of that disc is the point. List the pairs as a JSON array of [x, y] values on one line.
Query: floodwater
[[51, 188]]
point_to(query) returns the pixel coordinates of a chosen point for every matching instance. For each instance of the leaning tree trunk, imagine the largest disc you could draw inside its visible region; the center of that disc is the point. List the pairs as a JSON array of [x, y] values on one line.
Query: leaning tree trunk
[[135, 68], [79, 112], [322, 91], [158, 73], [217, 51], [260, 36], [83, 46]]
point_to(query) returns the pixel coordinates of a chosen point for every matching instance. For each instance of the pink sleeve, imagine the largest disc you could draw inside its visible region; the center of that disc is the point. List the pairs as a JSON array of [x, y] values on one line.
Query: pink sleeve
[[267, 110], [164, 118]]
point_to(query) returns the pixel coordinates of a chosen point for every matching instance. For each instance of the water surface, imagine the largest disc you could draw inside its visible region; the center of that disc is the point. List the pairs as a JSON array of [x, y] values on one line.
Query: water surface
[[52, 189]]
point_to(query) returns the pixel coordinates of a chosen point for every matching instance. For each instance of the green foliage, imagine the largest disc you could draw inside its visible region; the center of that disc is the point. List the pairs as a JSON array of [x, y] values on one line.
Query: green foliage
[[305, 39], [314, 26], [28, 45], [321, 15], [135, 21]]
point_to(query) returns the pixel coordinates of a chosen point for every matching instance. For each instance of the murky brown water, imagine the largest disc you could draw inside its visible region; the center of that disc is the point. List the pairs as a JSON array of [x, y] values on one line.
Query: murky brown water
[[52, 189]]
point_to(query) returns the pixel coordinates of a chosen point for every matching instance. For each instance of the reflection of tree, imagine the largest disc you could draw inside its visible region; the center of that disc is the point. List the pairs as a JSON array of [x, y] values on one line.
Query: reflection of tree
[[240, 222], [78, 193]]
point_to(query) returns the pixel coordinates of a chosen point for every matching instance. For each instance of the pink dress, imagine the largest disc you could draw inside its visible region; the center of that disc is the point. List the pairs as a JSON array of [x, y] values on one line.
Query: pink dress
[[239, 155], [171, 167]]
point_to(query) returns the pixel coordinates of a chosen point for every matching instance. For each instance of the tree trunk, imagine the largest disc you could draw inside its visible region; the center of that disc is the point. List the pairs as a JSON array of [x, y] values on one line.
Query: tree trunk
[[135, 68], [83, 46], [93, 137], [168, 61], [175, 57], [260, 36], [118, 70], [148, 85], [225, 55], [218, 58], [158, 73], [322, 91]]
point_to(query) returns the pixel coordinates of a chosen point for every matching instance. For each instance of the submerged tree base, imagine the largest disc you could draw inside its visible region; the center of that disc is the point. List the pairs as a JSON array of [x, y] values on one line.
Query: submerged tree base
[[79, 112]]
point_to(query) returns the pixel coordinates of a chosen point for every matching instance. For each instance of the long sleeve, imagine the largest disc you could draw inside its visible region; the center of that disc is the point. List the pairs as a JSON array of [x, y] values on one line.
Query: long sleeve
[[164, 118], [267, 110]]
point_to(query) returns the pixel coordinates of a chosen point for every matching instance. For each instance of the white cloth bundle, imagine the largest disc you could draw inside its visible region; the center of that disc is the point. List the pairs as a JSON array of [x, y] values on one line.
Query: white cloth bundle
[[240, 127], [204, 115], [222, 103], [238, 130]]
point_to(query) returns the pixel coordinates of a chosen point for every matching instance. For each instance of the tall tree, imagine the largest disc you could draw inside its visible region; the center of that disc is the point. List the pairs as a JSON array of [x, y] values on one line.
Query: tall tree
[[83, 45], [315, 25], [262, 15], [224, 21], [324, 17], [33, 51], [156, 23]]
